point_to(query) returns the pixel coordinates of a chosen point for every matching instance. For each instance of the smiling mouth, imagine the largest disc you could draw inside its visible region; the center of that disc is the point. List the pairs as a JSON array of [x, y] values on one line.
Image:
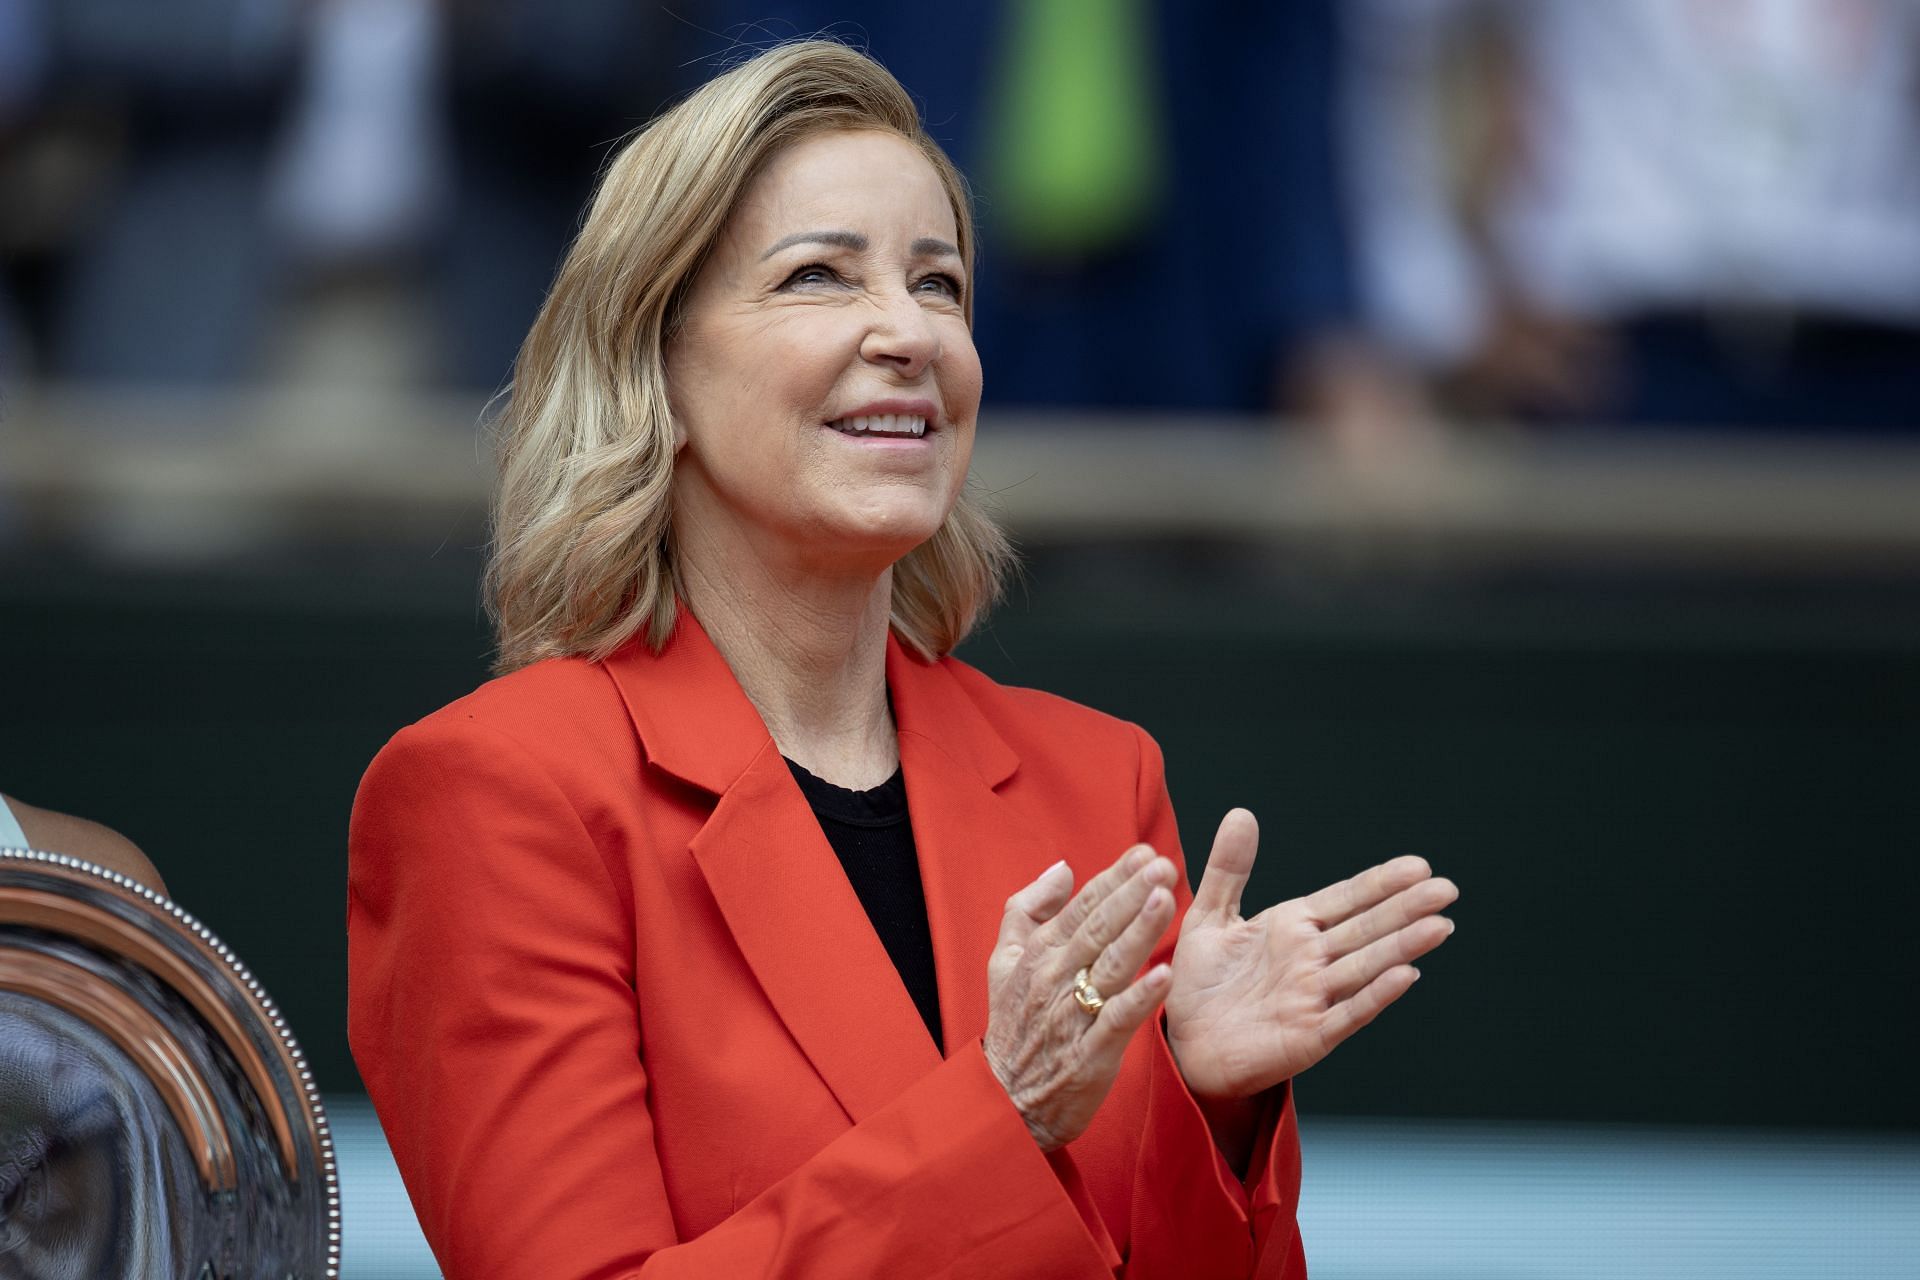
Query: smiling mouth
[[889, 426]]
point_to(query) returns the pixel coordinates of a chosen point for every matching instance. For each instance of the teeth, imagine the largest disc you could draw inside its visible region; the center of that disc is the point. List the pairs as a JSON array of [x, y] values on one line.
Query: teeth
[[882, 424]]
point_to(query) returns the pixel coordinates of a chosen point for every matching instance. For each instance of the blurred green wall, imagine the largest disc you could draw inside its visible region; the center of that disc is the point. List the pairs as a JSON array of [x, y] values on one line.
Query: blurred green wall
[[1683, 811]]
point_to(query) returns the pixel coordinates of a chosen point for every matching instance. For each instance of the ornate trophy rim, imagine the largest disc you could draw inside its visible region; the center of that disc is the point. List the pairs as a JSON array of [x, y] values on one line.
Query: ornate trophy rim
[[101, 928]]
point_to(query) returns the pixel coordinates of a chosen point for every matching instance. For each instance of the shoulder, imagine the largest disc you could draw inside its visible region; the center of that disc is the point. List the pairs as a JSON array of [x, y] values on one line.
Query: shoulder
[[54, 832], [549, 746], [1089, 779], [1038, 724], [558, 712], [517, 775], [536, 699], [1015, 704]]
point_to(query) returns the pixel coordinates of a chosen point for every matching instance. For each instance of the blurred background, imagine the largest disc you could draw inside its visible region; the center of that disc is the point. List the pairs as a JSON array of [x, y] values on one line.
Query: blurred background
[[1482, 429]]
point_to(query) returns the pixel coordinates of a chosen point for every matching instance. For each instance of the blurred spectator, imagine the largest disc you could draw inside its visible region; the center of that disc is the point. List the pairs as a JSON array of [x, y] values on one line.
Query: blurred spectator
[[439, 160], [441, 157], [1155, 183], [169, 275], [538, 93], [1157, 191], [1646, 211], [360, 176], [358, 194], [171, 169]]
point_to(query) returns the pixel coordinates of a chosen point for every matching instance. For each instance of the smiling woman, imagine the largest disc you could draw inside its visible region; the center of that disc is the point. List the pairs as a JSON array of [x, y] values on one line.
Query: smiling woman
[[824, 380], [733, 929], [584, 532]]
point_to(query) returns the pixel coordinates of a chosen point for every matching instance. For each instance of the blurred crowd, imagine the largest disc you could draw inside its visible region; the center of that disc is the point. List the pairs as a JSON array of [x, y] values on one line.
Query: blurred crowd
[[1370, 216]]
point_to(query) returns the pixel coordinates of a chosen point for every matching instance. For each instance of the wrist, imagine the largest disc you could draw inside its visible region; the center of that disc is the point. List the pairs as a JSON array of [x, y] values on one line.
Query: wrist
[[1231, 1120]]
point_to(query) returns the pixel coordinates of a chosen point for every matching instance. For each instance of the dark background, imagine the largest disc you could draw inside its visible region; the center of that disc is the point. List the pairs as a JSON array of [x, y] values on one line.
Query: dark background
[[1607, 601], [1681, 805]]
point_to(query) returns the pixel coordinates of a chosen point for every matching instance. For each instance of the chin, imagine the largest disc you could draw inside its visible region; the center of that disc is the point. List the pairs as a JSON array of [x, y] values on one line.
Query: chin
[[887, 530]]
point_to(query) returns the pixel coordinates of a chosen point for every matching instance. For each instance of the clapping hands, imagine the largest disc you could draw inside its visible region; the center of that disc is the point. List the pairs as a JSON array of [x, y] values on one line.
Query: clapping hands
[[1255, 1002]]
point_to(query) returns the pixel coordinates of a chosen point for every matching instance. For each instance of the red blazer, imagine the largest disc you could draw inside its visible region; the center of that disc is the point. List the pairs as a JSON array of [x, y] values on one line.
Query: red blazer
[[622, 1014]]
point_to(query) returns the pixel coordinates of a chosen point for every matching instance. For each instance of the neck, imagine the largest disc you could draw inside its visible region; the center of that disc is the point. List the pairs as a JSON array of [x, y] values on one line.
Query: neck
[[808, 646]]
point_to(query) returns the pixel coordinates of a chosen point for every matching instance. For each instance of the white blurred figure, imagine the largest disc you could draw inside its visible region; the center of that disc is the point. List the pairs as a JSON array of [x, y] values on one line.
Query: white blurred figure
[[1645, 211], [359, 191], [362, 171]]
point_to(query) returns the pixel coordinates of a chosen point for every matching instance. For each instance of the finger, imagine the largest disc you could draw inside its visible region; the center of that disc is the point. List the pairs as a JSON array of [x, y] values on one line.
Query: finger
[[1371, 887], [1117, 964], [1098, 889], [1365, 1005], [1348, 975], [1114, 914], [1397, 912], [1035, 904], [1228, 865], [1124, 1014]]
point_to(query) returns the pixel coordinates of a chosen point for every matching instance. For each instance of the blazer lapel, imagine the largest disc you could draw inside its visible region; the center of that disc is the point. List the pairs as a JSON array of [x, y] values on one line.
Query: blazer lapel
[[974, 851], [808, 940], [776, 880]]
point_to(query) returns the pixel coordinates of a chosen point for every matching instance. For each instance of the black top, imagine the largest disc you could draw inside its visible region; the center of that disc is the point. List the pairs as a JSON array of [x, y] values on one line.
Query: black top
[[870, 833]]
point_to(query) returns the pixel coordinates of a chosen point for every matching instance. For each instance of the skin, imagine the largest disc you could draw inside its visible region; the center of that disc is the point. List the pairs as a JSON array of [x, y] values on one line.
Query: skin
[[787, 531], [827, 292], [52, 832]]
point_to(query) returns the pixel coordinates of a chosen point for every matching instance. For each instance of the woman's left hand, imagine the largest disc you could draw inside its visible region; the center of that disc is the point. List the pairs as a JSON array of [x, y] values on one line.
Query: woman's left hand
[[1258, 1001]]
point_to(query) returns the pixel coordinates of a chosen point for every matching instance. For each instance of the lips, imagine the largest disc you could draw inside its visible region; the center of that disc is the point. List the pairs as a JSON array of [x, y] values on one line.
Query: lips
[[894, 426]]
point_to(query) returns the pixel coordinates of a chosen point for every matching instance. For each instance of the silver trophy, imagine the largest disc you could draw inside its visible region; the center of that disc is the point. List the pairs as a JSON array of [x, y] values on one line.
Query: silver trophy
[[156, 1117]]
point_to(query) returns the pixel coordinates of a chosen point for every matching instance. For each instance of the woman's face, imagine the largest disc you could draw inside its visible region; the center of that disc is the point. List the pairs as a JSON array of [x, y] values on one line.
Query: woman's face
[[824, 380]]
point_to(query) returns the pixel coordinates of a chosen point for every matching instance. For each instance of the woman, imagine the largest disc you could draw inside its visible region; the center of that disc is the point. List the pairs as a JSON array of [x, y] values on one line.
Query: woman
[[649, 976]]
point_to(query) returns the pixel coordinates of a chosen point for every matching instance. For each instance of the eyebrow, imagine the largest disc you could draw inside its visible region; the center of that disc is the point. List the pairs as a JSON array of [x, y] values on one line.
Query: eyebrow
[[924, 247]]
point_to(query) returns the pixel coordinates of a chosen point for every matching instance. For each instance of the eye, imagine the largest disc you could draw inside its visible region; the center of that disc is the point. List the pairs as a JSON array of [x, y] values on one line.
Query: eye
[[814, 273], [940, 283]]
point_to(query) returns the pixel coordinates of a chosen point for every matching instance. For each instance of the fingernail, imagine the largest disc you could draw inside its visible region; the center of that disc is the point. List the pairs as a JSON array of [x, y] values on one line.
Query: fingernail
[[1053, 872], [1139, 858]]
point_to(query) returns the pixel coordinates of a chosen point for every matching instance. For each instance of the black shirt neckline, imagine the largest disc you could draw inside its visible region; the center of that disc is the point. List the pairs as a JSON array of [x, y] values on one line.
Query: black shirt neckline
[[881, 806]]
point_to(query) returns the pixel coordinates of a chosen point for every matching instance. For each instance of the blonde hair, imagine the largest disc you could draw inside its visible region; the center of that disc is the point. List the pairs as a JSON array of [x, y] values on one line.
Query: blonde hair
[[582, 557]]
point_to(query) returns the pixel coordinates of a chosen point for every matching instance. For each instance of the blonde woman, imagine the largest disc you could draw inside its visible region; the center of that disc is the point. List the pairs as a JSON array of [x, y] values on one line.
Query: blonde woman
[[736, 929]]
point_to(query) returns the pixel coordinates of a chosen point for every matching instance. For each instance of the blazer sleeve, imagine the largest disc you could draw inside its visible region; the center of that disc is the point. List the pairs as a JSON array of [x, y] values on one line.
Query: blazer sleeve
[[1192, 1215], [494, 1018]]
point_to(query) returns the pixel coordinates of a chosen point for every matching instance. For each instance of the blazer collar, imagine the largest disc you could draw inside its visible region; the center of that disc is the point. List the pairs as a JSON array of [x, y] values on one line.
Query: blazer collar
[[697, 724], [781, 890], [693, 718]]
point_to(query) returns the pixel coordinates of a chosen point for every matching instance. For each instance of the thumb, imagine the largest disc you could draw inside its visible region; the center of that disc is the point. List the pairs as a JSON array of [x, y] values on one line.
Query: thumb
[[1228, 867]]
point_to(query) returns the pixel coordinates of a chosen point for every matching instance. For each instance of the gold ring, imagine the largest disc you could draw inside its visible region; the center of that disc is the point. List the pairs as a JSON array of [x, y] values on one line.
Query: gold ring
[[1086, 995]]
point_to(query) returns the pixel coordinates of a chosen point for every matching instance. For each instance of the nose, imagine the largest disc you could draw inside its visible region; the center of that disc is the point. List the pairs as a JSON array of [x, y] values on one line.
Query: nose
[[901, 337]]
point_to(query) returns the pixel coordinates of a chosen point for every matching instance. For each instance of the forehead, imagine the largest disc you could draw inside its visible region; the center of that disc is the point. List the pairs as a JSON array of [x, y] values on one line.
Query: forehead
[[866, 180]]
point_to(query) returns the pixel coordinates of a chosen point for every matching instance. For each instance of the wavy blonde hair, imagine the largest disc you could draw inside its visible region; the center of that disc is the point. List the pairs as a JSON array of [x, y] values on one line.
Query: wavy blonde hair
[[582, 554]]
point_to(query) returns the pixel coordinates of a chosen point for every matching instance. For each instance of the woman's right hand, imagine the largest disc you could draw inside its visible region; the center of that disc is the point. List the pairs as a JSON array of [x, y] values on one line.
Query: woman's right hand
[[1055, 1060]]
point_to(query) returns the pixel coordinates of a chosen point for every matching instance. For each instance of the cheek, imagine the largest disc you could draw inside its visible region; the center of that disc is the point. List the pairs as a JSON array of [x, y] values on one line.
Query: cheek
[[960, 392], [959, 373], [737, 398]]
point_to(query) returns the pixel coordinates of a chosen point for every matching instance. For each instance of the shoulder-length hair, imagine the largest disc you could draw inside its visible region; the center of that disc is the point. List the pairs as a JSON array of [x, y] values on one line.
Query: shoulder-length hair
[[582, 557]]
